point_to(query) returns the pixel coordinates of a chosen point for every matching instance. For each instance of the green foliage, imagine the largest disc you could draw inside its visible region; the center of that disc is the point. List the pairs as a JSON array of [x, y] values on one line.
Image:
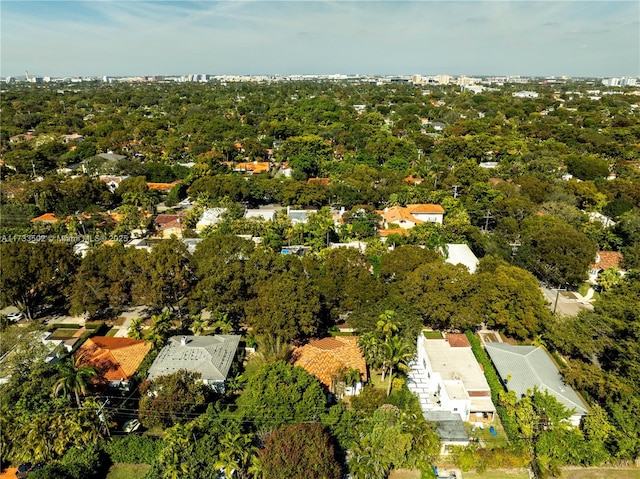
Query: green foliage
[[554, 251], [278, 394], [33, 274], [391, 438], [172, 399], [133, 449], [299, 451], [84, 463]]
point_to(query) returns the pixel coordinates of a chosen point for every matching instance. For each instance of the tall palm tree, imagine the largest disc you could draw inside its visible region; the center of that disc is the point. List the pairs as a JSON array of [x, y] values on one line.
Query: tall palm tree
[[160, 329], [74, 378], [135, 329], [397, 355]]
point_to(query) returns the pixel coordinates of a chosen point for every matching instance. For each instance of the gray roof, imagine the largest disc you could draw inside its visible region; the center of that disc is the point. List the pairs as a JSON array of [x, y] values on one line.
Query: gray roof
[[529, 367], [299, 216], [111, 156], [211, 356], [449, 426], [211, 216]]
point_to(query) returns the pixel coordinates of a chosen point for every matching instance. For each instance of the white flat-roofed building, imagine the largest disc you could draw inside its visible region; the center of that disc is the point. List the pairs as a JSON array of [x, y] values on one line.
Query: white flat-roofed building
[[447, 377]]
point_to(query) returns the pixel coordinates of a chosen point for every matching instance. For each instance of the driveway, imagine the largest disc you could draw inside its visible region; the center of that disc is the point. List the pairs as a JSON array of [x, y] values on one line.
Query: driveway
[[569, 302]]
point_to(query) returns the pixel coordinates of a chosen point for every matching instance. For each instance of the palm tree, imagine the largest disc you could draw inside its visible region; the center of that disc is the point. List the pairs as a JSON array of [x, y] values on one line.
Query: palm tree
[[160, 329], [135, 329], [397, 355], [74, 378]]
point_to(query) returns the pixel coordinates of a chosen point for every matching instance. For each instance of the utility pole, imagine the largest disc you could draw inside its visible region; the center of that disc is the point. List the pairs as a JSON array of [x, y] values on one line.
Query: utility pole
[[487, 217], [101, 416], [557, 290], [514, 249]]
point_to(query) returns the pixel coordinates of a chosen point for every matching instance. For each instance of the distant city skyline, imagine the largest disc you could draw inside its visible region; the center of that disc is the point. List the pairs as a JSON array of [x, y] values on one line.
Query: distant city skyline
[[128, 38]]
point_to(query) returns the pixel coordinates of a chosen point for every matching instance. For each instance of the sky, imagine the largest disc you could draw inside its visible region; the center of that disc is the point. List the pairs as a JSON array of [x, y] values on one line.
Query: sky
[[243, 37]]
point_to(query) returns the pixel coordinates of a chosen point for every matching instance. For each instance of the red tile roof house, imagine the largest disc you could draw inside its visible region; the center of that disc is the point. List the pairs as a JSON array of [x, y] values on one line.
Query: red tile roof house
[[48, 218], [412, 215], [168, 225], [116, 359], [330, 360], [604, 261]]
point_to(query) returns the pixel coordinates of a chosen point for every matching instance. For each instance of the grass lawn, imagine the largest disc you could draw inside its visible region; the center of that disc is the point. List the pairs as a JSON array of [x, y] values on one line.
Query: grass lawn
[[490, 441], [63, 333], [404, 474], [600, 473], [432, 334], [376, 380], [112, 332], [498, 474], [127, 471]]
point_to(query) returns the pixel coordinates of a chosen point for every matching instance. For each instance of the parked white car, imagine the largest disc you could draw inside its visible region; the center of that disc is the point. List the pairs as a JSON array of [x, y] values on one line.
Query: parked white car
[[13, 317], [131, 426]]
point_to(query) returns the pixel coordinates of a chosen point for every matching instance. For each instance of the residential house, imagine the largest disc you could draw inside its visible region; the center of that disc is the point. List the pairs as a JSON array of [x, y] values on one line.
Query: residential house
[[299, 216], [72, 137], [111, 156], [330, 360], [447, 377], [604, 261], [191, 244], [413, 181], [112, 181], [116, 359], [461, 254], [168, 225], [266, 214], [406, 217], [211, 356], [210, 217], [523, 368], [163, 187], [47, 218], [319, 181], [253, 167]]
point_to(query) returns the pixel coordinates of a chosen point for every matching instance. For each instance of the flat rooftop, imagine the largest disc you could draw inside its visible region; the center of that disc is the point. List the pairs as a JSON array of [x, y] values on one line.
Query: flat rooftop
[[456, 363]]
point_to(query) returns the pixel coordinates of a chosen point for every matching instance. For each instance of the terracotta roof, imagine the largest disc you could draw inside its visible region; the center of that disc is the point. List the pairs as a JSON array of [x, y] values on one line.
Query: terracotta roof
[[116, 358], [458, 340], [164, 221], [425, 208], [397, 214], [320, 181], [323, 358], [47, 218], [393, 231], [9, 473], [256, 166], [163, 186], [412, 179], [607, 259]]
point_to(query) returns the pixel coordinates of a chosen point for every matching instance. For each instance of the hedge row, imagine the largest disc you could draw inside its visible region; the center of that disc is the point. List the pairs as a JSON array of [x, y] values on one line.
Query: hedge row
[[134, 449], [509, 424]]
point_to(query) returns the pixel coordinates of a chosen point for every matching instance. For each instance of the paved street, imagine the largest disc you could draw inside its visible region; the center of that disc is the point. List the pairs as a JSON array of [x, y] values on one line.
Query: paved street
[[569, 302]]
